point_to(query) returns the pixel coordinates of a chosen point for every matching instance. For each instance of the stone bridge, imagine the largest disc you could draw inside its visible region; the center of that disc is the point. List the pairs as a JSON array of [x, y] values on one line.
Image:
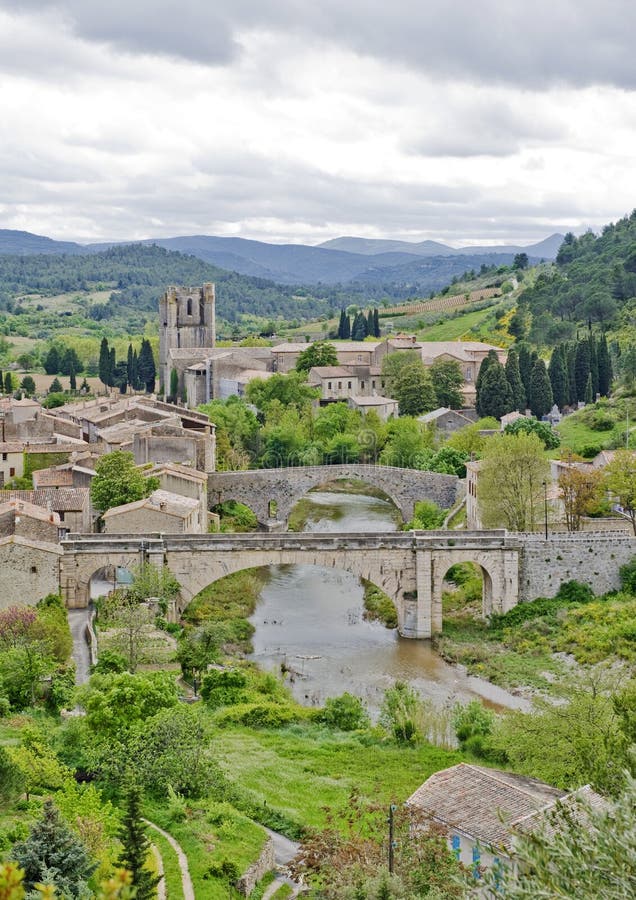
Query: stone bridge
[[272, 493], [408, 566]]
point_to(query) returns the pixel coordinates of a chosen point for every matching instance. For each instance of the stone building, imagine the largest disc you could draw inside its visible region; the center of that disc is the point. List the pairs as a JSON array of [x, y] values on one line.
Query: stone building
[[71, 504], [28, 521], [29, 570], [11, 461], [481, 809], [386, 407], [186, 321], [162, 512]]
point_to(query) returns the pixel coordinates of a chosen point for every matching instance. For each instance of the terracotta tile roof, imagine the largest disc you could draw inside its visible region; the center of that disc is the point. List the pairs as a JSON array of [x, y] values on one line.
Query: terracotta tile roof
[[483, 803], [58, 499], [53, 478], [11, 447]]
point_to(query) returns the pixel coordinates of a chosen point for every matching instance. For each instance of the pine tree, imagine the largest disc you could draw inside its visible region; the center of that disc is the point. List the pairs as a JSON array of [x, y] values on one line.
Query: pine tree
[[604, 368], [541, 399], [376, 323], [589, 390], [56, 386], [104, 369], [136, 846], [581, 368], [370, 325], [51, 361], [514, 380], [558, 378], [53, 855], [483, 368], [146, 366]]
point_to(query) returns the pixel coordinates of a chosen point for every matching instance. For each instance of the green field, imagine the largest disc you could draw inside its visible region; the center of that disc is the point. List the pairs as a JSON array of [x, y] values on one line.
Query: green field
[[454, 329]]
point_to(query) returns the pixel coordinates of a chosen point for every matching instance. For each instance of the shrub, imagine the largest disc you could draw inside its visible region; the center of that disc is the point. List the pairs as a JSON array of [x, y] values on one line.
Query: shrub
[[224, 687], [628, 576], [575, 592], [345, 712], [263, 715], [473, 723]]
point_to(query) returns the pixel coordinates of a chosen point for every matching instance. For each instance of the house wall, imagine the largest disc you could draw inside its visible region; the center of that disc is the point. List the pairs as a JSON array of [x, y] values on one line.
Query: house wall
[[27, 573], [11, 466], [144, 519], [15, 521]]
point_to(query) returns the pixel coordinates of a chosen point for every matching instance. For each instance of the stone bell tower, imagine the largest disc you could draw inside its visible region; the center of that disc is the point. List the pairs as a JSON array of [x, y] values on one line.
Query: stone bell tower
[[186, 320]]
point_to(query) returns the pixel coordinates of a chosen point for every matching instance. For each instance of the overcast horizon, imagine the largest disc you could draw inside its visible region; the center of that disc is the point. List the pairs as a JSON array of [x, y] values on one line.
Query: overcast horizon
[[457, 122]]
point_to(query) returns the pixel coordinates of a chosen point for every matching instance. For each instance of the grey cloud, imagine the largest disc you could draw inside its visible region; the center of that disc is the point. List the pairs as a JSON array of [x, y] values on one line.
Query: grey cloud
[[483, 127], [572, 42]]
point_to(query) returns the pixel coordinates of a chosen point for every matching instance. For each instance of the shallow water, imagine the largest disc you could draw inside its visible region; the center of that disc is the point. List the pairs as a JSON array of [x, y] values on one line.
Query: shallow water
[[310, 620]]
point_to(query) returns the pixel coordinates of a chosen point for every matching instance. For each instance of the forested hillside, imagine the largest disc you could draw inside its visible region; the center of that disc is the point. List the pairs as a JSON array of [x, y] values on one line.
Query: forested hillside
[[137, 274], [593, 280]]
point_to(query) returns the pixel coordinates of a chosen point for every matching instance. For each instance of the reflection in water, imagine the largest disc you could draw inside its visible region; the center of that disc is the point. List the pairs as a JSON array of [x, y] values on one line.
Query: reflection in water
[[311, 620]]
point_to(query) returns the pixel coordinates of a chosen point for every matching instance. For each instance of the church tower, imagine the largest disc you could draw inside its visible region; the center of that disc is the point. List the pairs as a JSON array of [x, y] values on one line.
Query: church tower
[[186, 320]]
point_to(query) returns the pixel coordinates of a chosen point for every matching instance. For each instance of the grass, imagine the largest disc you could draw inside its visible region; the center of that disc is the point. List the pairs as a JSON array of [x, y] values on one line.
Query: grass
[[454, 329], [301, 770], [216, 839], [576, 435], [171, 870]]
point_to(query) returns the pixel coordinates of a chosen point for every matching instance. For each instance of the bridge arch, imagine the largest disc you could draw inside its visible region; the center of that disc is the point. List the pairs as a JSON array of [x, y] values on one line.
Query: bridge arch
[[259, 487]]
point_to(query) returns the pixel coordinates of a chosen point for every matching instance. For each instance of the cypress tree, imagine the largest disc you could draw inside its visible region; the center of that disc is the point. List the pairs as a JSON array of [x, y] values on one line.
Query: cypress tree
[[558, 378], [341, 325], [541, 399], [370, 325], [73, 379], [112, 362], [571, 353], [604, 368], [593, 363], [8, 383], [525, 367], [589, 390], [130, 366], [359, 327], [174, 386], [486, 362], [136, 846], [1, 381], [51, 361], [514, 380], [376, 323], [581, 368], [146, 366], [52, 851], [346, 333], [104, 369], [135, 372], [495, 394]]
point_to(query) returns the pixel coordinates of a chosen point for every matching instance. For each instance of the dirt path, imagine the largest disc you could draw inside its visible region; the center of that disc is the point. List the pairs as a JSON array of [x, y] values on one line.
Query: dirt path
[[186, 881], [161, 886]]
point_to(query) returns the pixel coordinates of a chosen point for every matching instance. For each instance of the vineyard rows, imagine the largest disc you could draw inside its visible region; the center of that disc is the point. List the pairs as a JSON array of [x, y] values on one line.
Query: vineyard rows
[[442, 303]]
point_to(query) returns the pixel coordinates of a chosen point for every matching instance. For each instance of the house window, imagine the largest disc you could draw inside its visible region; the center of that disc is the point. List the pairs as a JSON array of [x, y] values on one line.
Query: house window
[[189, 307], [362, 385], [360, 357], [4, 457], [373, 384], [34, 570], [476, 858], [456, 845], [329, 385], [469, 375], [61, 515], [11, 472], [339, 385], [349, 385]]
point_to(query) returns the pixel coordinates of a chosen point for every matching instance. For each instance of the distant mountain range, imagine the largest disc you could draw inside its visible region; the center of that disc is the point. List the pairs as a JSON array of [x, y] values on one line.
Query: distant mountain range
[[340, 261]]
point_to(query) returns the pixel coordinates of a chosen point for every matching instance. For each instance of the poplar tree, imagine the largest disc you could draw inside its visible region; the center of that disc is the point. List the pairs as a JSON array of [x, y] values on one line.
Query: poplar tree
[[514, 380], [541, 399]]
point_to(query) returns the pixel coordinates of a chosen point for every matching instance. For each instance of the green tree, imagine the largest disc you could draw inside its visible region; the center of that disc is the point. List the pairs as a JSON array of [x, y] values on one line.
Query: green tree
[[540, 398], [28, 385], [55, 387], [525, 366], [136, 846], [558, 377], [70, 361], [9, 386], [174, 386], [146, 369], [510, 483], [376, 323], [72, 379], [119, 481], [494, 396], [620, 480], [289, 390], [520, 261], [514, 380], [581, 368], [53, 855], [320, 353], [117, 704], [413, 389], [359, 327], [543, 430], [580, 851], [51, 361], [589, 390], [447, 379], [605, 374], [105, 369]]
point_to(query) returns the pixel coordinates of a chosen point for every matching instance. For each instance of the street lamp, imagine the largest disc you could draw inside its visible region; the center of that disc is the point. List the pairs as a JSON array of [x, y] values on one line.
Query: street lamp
[[545, 507]]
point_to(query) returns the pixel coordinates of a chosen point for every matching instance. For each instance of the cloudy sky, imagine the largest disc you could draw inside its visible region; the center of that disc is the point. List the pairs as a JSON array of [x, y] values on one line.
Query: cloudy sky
[[283, 120]]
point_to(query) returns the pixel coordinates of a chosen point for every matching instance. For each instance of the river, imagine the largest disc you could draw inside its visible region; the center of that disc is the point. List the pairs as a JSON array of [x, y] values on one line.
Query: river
[[310, 619]]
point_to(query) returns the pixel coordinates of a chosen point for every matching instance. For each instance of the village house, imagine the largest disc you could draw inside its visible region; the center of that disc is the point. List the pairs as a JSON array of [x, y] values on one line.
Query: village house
[[29, 570], [28, 521], [468, 354], [186, 482], [481, 809], [349, 353], [445, 420], [162, 512], [385, 407], [72, 505], [11, 461]]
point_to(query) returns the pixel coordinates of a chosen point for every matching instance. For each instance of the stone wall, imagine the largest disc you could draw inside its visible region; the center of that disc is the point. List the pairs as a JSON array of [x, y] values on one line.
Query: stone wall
[[28, 571], [286, 486], [265, 863], [590, 558]]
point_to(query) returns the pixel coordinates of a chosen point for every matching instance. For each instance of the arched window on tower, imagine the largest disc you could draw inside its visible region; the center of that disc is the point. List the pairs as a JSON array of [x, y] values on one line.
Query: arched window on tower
[[189, 307]]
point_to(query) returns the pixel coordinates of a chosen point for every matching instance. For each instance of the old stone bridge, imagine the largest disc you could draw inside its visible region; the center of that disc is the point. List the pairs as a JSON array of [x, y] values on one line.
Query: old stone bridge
[[272, 493], [408, 566]]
